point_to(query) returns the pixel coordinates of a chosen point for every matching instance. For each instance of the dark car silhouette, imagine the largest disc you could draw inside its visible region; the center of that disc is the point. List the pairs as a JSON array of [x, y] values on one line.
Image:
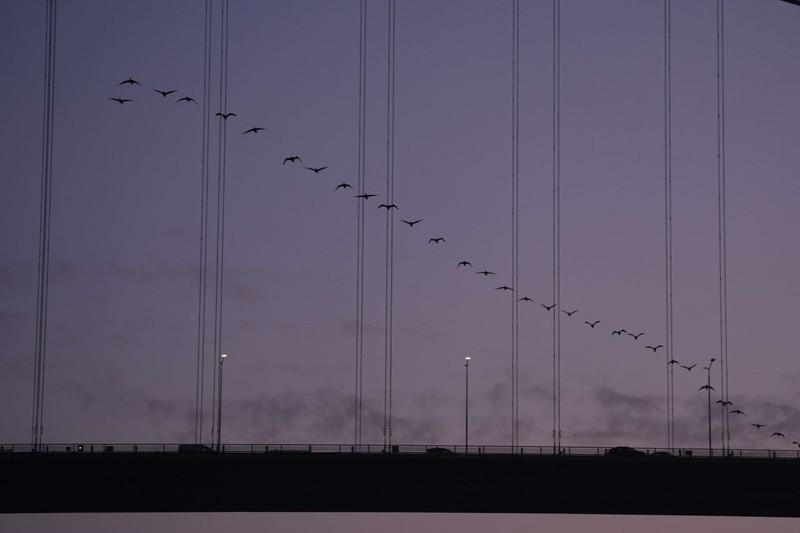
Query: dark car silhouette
[[624, 451], [438, 450]]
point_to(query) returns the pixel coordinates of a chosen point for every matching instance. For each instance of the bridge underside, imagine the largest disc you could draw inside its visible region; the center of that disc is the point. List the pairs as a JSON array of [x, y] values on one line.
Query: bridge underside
[[305, 482]]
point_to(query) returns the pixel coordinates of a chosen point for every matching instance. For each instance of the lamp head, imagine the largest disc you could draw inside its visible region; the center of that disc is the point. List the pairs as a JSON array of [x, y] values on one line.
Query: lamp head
[[467, 358]]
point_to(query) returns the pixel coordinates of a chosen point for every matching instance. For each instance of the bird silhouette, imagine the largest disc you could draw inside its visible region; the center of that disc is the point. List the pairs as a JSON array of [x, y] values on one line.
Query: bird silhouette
[[164, 93], [592, 324], [654, 348], [486, 273], [256, 129], [464, 263], [121, 100], [758, 426], [437, 240], [778, 434], [225, 116], [291, 159], [674, 362], [706, 387], [387, 206], [343, 186], [724, 403], [570, 313], [738, 412], [548, 307], [525, 299], [618, 332], [636, 337], [504, 288], [365, 196], [795, 442], [689, 368], [411, 222], [187, 99], [129, 81]]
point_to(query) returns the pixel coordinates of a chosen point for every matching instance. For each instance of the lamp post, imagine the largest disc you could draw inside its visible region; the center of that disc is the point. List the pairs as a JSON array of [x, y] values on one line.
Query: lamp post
[[219, 403], [709, 389], [466, 405]]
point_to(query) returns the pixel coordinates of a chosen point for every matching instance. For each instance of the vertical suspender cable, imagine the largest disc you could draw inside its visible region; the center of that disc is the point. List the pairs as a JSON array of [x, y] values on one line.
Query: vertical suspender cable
[[389, 272], [722, 229], [514, 224], [359, 370], [556, 224], [668, 216], [204, 207], [45, 210]]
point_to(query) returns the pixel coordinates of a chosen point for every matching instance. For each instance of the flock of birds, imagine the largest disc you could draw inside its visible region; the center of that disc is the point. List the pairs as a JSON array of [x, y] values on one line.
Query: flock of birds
[[552, 308]]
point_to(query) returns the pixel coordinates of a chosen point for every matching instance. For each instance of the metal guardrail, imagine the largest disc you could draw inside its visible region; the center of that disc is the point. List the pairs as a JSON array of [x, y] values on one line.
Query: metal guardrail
[[573, 451]]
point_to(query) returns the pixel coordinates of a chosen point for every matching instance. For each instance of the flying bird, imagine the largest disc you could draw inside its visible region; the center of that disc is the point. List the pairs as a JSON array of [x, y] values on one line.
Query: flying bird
[[121, 100], [548, 307], [738, 412], [343, 186], [724, 402], [486, 273], [636, 337], [437, 240], [654, 348], [164, 93], [291, 159], [504, 288], [674, 362], [365, 196], [187, 99], [387, 206], [592, 324], [225, 116], [706, 387], [689, 368], [464, 263], [570, 313], [778, 434], [256, 129], [525, 299], [618, 332], [315, 170], [411, 222], [129, 81], [758, 426], [795, 442]]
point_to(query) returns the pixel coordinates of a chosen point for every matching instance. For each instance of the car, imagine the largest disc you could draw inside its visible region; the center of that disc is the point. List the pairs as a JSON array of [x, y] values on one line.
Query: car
[[438, 450], [195, 448], [624, 451]]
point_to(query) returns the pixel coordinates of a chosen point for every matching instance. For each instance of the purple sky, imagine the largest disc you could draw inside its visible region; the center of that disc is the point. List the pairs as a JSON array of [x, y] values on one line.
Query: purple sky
[[125, 235]]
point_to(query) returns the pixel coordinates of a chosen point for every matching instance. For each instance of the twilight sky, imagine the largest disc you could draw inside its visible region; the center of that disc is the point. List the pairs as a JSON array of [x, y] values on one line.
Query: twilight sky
[[126, 208]]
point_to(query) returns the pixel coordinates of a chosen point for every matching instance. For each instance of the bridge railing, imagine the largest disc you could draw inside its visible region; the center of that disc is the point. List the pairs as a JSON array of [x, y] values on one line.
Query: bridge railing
[[458, 449]]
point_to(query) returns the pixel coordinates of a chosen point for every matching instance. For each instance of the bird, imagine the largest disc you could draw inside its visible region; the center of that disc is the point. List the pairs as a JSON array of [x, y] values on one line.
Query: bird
[[758, 426], [256, 129], [706, 387], [437, 240], [724, 403], [592, 324], [291, 159], [225, 116], [525, 299], [315, 170], [548, 307], [778, 434], [738, 412], [411, 222], [464, 263], [654, 348], [795, 442], [187, 99], [636, 337], [486, 273], [689, 368], [387, 206], [343, 186], [618, 332], [129, 81], [504, 288], [164, 93], [121, 100], [674, 362], [570, 313], [365, 196]]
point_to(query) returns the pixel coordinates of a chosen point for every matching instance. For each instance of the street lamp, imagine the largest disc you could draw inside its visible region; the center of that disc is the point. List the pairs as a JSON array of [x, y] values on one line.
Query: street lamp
[[708, 388], [219, 403], [466, 405]]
